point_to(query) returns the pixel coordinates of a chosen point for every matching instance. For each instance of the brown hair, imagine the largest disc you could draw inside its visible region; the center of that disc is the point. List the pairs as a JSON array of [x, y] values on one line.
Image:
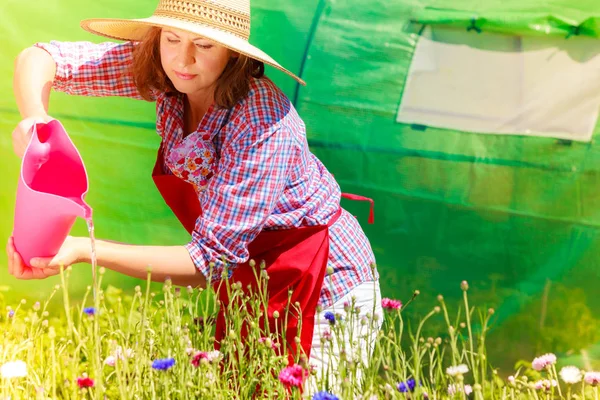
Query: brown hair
[[149, 75]]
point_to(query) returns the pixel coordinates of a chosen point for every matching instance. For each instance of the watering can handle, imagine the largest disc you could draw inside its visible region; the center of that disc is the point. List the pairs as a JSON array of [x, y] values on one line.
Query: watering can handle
[[41, 154]]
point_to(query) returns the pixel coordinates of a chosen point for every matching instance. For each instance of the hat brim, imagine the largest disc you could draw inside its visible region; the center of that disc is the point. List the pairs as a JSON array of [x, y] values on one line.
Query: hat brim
[[136, 29]]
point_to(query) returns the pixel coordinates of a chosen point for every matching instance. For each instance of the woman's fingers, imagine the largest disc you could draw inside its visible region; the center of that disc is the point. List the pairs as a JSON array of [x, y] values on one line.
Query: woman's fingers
[[9, 254]]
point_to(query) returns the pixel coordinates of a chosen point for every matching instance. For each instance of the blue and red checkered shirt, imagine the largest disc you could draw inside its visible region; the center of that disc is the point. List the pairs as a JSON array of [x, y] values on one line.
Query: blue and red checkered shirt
[[265, 176]]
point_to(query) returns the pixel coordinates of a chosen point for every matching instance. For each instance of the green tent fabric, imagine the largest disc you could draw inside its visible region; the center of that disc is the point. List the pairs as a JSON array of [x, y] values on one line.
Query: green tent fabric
[[517, 17], [516, 216]]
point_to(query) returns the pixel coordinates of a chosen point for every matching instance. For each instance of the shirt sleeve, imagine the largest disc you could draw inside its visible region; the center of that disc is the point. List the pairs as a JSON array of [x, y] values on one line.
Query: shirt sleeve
[[90, 69], [251, 177]]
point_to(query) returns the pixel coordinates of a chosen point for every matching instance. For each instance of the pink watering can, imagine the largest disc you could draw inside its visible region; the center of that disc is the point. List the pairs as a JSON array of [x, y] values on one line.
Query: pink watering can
[[50, 194]]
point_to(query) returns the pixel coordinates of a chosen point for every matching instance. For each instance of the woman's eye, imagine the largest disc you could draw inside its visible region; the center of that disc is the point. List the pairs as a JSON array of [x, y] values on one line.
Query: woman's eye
[[172, 40], [204, 46]]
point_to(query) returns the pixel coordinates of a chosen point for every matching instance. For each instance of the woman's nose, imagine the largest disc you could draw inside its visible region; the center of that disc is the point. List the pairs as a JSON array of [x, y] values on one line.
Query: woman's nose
[[187, 55]]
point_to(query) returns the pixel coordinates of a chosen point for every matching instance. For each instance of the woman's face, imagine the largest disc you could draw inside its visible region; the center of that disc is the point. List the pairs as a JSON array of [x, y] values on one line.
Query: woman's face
[[191, 62]]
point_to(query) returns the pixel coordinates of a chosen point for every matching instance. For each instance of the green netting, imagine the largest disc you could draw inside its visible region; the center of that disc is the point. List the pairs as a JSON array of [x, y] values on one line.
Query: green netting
[[516, 216]]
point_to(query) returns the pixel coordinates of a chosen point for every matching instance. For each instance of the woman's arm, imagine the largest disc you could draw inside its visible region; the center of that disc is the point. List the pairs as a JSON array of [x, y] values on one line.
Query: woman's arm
[[166, 261], [92, 69], [32, 81]]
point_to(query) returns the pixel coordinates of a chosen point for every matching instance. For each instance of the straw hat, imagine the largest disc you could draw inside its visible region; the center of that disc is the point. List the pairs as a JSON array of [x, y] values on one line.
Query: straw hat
[[226, 22]]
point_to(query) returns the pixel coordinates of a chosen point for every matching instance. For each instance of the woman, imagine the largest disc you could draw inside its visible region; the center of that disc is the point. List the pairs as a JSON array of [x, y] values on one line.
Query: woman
[[233, 165]]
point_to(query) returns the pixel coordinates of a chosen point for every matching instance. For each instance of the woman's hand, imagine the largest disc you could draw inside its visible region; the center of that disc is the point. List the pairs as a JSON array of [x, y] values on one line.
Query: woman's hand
[[22, 133], [71, 252]]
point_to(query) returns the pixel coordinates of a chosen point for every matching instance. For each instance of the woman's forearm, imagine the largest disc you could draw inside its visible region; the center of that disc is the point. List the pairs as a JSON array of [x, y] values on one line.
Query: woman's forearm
[[166, 261], [32, 82]]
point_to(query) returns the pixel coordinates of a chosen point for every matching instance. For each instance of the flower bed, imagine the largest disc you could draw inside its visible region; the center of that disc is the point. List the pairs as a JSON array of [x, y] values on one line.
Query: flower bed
[[160, 345]]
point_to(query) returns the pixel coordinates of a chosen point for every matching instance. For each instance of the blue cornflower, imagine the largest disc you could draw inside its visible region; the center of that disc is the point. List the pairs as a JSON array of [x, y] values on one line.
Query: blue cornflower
[[89, 311], [329, 316], [407, 386], [163, 364], [324, 396], [11, 313]]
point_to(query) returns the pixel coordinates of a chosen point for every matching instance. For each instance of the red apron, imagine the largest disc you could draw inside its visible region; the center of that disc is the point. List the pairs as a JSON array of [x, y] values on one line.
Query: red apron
[[296, 259]]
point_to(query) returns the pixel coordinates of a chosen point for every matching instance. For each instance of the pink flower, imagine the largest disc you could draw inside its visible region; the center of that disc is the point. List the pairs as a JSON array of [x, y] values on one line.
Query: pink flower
[[190, 350], [201, 355], [545, 361], [85, 382], [268, 342], [293, 376], [545, 384], [209, 357], [111, 361], [390, 304], [592, 378], [455, 388]]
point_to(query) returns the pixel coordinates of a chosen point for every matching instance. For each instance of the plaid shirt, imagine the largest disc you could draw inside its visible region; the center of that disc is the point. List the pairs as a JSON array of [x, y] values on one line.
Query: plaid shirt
[[266, 177]]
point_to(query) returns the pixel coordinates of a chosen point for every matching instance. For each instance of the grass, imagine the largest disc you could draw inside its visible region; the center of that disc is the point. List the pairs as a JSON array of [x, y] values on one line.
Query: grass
[[149, 345]]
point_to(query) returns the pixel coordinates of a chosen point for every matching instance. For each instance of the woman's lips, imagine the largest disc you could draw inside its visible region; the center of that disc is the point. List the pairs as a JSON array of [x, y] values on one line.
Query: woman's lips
[[185, 77]]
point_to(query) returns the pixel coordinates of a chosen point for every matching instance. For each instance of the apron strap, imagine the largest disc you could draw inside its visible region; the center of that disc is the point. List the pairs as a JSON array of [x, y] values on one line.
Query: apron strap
[[356, 197]]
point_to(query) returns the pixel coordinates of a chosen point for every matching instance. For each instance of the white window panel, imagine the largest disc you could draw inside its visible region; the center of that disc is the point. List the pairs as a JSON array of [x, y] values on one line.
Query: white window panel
[[503, 84]]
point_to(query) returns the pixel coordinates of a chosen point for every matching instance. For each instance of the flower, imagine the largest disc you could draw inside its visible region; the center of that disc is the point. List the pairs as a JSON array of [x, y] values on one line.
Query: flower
[[512, 380], [539, 363], [118, 355], [324, 396], [454, 388], [214, 356], [570, 375], [267, 341], [190, 350], [329, 316], [407, 386], [293, 376], [85, 382], [592, 378], [197, 359], [110, 361], [13, 369], [460, 369], [163, 364], [89, 311], [11, 313], [545, 384], [390, 304], [210, 357]]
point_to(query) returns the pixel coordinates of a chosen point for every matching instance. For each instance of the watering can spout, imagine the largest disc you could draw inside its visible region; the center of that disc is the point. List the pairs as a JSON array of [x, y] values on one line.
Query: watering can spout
[[87, 212], [50, 193]]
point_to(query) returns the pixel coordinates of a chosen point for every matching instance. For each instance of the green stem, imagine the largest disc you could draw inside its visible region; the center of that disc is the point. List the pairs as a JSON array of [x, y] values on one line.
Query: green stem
[[416, 352], [468, 317]]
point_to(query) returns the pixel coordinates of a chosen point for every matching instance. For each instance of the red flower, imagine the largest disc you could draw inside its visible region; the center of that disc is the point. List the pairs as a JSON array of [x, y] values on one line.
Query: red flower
[[198, 160], [185, 174], [85, 383], [390, 304], [206, 136], [293, 376], [201, 355]]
